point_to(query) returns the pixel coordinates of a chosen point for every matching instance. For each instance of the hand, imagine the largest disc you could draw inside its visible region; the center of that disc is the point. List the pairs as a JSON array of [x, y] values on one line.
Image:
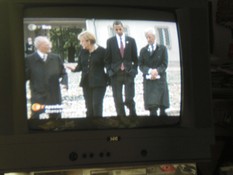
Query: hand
[[153, 77], [70, 67], [64, 87], [154, 73]]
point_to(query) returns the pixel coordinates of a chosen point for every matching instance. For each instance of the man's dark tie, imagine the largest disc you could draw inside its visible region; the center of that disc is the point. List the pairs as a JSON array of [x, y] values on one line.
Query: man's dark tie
[[122, 53], [121, 48], [152, 49], [44, 57]]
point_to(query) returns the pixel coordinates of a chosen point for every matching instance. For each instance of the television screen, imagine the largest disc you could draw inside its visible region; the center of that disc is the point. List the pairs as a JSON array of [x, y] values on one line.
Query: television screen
[[63, 35]]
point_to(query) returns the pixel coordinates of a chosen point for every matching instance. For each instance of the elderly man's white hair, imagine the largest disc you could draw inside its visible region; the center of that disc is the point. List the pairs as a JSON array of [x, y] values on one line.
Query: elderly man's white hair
[[150, 31], [40, 39]]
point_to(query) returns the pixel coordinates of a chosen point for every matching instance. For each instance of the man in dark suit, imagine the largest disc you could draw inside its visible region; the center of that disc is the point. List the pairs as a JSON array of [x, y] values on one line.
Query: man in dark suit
[[44, 71], [153, 62], [122, 64]]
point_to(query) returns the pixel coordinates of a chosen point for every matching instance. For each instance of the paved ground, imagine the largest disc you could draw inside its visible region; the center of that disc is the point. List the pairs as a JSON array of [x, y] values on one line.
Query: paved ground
[[74, 105], [74, 101]]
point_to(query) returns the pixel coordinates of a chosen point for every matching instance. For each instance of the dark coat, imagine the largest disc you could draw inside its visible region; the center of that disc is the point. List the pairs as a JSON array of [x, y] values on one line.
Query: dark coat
[[45, 77], [114, 59], [29, 48], [92, 67], [155, 91]]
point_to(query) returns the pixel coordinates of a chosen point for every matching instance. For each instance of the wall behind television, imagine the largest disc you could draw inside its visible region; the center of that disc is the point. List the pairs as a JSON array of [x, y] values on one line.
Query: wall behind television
[[221, 37]]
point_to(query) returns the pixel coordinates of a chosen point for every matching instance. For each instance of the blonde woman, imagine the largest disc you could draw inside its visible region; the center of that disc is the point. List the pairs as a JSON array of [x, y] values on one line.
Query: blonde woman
[[93, 78]]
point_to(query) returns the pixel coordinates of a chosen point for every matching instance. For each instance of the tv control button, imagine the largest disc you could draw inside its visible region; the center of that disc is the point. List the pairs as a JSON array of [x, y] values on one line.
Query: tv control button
[[144, 153], [73, 156]]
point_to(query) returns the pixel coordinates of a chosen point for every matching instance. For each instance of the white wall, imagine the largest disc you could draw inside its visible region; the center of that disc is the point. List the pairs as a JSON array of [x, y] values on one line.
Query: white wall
[[136, 30]]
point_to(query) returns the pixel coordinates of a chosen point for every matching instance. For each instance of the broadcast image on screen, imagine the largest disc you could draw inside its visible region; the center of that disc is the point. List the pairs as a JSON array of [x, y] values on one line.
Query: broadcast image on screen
[[56, 86]]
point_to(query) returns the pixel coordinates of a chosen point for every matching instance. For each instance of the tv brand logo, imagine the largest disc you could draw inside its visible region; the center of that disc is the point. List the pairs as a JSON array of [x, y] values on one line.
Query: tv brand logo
[[113, 138]]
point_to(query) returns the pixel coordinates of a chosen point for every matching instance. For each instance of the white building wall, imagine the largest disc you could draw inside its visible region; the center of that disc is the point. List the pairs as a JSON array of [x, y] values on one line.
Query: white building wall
[[136, 30]]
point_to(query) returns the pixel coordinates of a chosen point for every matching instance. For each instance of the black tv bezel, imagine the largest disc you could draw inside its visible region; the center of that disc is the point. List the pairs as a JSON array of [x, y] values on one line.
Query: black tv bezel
[[189, 141]]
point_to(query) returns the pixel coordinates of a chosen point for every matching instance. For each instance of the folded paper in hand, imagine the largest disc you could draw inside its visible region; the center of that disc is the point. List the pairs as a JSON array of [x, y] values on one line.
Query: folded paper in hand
[[148, 77]]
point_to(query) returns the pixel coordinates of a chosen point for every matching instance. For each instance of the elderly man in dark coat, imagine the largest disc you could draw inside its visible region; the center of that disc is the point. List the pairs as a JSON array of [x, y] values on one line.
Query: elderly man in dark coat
[[45, 71], [153, 62]]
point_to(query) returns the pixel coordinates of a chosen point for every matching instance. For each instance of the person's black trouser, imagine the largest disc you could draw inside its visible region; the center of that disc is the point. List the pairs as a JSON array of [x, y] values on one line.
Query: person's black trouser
[[94, 100], [117, 82]]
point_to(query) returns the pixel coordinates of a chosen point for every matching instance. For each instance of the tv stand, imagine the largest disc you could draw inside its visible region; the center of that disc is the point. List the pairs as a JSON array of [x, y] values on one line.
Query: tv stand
[[222, 94]]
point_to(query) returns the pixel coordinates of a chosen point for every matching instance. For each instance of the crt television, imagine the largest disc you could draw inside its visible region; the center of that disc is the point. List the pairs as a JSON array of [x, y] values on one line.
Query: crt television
[[73, 141]]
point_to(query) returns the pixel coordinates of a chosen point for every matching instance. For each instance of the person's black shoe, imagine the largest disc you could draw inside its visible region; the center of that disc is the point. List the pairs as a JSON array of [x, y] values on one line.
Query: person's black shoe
[[153, 112], [163, 113], [133, 113]]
